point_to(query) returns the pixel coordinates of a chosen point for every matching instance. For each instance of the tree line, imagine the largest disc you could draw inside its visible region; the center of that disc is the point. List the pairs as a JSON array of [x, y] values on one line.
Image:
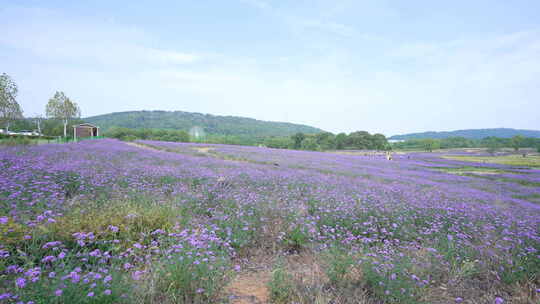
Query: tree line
[[491, 143], [359, 140]]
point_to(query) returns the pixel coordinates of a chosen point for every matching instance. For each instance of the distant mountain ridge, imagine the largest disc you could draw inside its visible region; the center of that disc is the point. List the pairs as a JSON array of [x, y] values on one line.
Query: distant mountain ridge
[[211, 124], [470, 134]]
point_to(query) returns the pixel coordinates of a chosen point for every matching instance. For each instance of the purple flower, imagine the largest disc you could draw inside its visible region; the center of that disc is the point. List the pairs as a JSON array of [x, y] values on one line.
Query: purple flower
[[48, 258], [4, 220], [58, 292], [95, 253], [107, 279], [20, 282], [75, 277], [107, 292], [137, 275], [499, 300], [90, 294], [459, 300]]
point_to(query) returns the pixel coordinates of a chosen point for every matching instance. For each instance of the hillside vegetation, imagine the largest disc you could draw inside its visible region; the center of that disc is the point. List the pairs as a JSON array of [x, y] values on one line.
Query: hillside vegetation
[[470, 134], [211, 124]]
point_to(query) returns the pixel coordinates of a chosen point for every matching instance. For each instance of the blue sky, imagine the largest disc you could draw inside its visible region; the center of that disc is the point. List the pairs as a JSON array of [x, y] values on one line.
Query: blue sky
[[381, 66]]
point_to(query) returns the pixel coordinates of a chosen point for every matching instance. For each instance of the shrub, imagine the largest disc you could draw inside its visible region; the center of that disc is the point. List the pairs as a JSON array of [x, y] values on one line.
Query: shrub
[[128, 138], [194, 270], [125, 221], [16, 141], [280, 285], [339, 264], [58, 291]]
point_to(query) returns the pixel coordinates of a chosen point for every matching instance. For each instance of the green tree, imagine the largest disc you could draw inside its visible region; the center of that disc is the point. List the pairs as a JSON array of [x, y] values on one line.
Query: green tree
[[326, 140], [341, 141], [60, 107], [516, 142], [493, 146], [10, 109], [360, 140], [431, 144], [310, 143], [298, 138], [379, 142], [278, 142]]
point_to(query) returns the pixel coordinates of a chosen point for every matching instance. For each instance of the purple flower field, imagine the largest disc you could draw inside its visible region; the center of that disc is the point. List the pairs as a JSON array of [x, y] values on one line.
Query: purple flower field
[[110, 222]]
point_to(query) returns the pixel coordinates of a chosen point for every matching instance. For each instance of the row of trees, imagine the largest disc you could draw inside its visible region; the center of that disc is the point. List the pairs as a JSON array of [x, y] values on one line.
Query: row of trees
[[151, 134], [59, 108], [491, 143], [360, 140], [317, 142]]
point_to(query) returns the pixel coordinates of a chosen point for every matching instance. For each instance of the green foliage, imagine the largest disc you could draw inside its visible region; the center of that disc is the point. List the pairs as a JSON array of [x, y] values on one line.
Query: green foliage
[[10, 109], [298, 138], [16, 141], [431, 144], [492, 143], [132, 218], [360, 140], [473, 134], [60, 107], [280, 285], [117, 291], [296, 238], [187, 275], [339, 265], [397, 285], [278, 142], [341, 141], [493, 146], [152, 134], [310, 143], [516, 142]]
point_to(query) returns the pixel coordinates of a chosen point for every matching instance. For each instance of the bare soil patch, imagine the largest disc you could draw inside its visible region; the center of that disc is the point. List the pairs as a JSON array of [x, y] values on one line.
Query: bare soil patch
[[250, 288]]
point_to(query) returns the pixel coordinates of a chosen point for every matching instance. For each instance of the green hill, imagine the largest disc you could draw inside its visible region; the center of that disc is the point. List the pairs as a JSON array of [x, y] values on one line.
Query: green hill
[[470, 134], [211, 124]]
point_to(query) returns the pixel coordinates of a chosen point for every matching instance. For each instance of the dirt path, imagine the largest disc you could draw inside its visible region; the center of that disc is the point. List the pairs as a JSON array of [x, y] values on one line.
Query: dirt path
[[134, 144], [250, 288], [203, 149]]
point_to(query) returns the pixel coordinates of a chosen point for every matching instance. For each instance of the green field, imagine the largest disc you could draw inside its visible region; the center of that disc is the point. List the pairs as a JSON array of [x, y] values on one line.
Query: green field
[[512, 160]]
